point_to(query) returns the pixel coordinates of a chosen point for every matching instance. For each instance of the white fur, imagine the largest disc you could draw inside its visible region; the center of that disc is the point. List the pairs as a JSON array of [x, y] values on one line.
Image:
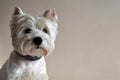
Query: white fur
[[17, 68]]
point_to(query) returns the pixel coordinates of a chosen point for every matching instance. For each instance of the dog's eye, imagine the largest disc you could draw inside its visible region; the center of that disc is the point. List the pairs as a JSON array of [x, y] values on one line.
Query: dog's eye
[[45, 30], [28, 30]]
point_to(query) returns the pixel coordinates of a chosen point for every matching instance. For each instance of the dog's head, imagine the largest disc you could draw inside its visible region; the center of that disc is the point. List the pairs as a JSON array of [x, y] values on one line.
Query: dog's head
[[34, 36]]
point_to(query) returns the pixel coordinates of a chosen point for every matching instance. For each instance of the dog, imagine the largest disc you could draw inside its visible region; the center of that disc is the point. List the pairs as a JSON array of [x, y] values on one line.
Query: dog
[[33, 38]]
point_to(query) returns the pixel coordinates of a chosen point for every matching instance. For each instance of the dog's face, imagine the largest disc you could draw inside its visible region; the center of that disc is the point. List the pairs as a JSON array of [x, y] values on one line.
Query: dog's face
[[34, 36]]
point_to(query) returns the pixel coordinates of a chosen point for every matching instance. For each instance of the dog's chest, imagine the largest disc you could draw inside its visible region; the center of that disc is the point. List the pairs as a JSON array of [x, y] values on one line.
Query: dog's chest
[[30, 74], [29, 71]]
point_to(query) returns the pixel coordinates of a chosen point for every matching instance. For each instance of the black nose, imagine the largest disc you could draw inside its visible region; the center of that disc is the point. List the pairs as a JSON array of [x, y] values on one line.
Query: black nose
[[37, 41]]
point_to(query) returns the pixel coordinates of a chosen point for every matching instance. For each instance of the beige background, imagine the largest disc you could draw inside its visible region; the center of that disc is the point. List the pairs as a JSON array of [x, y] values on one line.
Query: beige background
[[88, 44]]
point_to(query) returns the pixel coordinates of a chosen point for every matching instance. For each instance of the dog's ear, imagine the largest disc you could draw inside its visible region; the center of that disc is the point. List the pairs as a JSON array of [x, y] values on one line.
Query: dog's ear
[[51, 14], [17, 11]]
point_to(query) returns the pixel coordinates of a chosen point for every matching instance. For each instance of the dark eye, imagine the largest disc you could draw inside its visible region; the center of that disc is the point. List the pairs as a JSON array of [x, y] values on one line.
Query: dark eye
[[45, 30], [28, 30]]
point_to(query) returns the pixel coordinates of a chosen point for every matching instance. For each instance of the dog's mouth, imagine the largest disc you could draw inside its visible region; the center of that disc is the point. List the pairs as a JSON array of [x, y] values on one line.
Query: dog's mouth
[[38, 47], [42, 49]]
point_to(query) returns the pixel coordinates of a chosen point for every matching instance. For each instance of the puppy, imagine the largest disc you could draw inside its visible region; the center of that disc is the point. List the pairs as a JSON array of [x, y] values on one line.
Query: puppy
[[32, 39]]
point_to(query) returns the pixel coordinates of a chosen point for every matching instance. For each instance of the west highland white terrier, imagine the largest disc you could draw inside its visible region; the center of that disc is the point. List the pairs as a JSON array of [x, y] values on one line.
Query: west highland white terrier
[[32, 38]]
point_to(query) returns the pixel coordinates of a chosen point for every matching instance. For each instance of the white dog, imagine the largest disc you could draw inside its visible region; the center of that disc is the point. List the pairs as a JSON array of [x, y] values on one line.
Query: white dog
[[33, 39]]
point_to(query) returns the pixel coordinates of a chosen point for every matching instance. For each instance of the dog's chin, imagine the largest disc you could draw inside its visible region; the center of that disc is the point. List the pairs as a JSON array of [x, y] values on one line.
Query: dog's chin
[[36, 51], [40, 51]]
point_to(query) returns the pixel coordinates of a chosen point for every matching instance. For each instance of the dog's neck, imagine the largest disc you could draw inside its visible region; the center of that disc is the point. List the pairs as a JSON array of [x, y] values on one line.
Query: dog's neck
[[27, 57]]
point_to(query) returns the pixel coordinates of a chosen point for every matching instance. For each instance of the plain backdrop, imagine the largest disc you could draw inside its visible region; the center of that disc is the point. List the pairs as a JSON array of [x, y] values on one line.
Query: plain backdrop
[[88, 43]]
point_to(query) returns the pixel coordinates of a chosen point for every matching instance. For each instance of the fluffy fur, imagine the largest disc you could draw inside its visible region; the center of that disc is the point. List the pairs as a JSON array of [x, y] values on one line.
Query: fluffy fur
[[24, 29]]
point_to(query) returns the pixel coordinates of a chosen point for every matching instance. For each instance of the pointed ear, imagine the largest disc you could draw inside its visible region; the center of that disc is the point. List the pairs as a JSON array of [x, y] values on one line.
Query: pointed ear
[[17, 11], [51, 14]]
